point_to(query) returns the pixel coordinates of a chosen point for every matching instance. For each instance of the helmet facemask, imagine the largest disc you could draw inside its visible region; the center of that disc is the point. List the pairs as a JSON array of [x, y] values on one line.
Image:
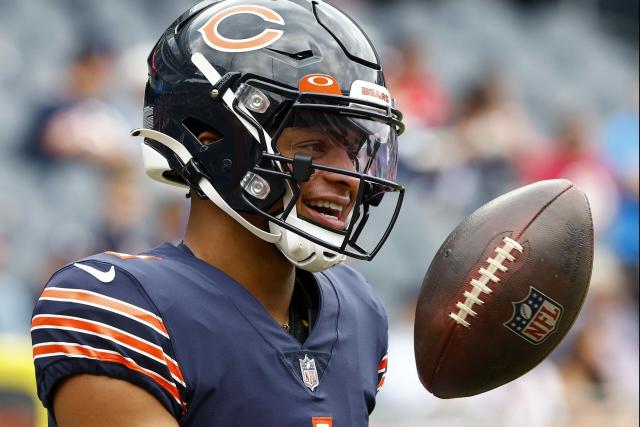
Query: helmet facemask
[[347, 144]]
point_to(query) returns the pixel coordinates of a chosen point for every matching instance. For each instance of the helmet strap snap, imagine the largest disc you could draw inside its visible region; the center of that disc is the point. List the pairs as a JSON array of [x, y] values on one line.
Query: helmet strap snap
[[192, 173]]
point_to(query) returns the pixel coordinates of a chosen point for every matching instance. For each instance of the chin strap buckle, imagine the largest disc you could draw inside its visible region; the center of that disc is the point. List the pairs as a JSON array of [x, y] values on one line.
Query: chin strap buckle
[[191, 173]]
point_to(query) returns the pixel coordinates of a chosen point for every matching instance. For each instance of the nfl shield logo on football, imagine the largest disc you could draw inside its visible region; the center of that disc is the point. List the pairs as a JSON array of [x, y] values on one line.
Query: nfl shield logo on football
[[309, 372], [535, 317]]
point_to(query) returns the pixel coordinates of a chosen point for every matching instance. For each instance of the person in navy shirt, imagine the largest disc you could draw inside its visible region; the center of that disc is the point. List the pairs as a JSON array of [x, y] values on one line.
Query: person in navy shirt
[[274, 115]]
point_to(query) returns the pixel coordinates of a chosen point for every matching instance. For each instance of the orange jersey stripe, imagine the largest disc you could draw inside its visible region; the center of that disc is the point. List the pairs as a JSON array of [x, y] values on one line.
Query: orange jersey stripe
[[117, 335], [383, 364], [80, 296], [53, 349]]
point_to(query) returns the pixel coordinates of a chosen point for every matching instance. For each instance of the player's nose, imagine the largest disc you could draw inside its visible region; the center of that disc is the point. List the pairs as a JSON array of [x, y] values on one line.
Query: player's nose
[[348, 182], [339, 158]]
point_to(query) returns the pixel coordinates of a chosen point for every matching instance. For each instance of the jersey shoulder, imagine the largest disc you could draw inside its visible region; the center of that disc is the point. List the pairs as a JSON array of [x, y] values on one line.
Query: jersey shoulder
[[353, 288], [94, 316]]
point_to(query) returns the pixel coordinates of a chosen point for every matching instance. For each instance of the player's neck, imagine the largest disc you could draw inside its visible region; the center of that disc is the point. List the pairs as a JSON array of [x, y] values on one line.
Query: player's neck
[[257, 265]]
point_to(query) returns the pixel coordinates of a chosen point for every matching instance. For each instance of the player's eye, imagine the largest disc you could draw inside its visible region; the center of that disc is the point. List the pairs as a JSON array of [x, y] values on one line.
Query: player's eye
[[313, 148]]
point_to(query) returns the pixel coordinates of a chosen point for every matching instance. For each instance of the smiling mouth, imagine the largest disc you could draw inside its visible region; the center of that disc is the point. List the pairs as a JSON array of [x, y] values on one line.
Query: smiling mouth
[[325, 213]]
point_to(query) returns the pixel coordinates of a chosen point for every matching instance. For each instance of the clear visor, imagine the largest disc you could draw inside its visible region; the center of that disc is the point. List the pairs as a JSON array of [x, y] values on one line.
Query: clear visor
[[340, 141]]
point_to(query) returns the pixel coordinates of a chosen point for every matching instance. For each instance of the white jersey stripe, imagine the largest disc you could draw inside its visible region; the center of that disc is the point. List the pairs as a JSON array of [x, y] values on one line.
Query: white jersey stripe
[[68, 328], [98, 350], [113, 310], [82, 291]]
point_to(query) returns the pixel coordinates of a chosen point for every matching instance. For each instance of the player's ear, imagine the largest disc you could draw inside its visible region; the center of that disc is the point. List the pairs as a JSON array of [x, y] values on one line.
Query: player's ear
[[203, 131]]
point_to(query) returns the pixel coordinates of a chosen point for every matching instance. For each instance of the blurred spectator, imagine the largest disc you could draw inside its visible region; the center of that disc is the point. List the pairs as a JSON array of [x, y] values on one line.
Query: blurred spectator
[[620, 141], [422, 98], [573, 155], [491, 124], [64, 242], [599, 358], [490, 134], [124, 213], [424, 102], [76, 124]]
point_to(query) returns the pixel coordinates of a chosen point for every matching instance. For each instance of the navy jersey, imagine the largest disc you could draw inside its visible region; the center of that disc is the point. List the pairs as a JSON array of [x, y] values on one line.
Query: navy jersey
[[205, 347]]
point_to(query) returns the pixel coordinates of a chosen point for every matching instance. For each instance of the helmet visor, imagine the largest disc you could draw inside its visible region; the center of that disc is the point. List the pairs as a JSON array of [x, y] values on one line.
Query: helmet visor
[[353, 144], [355, 160]]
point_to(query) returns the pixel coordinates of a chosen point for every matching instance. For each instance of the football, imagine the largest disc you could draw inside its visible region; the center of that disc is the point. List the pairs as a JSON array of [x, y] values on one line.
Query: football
[[503, 289]]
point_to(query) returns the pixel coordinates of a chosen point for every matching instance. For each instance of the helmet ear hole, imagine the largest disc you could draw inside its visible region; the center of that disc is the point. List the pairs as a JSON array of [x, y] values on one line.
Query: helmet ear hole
[[203, 132]]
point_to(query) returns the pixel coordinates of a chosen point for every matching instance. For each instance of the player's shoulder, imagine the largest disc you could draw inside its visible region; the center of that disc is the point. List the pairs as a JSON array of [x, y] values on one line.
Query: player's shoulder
[[353, 288], [99, 315], [116, 274], [115, 284]]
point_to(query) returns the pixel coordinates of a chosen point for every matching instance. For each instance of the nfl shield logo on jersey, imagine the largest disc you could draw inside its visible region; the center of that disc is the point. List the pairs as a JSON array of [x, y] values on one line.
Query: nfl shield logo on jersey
[[535, 317], [309, 372]]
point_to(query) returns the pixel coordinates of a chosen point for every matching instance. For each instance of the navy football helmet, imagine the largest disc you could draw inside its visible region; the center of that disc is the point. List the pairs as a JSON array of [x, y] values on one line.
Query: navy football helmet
[[294, 88]]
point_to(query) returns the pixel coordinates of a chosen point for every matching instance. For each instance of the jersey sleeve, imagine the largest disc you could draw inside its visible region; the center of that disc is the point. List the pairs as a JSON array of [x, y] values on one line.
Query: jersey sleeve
[[384, 360], [382, 372], [94, 318]]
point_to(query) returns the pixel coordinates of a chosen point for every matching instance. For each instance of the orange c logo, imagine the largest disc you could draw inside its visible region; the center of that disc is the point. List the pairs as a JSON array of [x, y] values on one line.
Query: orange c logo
[[267, 37]]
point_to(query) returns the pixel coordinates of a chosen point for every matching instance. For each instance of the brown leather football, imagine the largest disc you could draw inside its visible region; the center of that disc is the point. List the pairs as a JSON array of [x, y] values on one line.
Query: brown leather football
[[504, 289]]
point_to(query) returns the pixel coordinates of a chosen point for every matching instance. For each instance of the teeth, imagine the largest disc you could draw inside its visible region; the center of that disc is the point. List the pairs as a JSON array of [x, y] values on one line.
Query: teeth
[[326, 204]]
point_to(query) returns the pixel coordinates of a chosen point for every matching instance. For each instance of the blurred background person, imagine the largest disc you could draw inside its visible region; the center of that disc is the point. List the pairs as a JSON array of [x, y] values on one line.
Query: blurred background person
[[488, 139], [76, 124], [619, 150], [418, 91], [599, 359], [573, 154]]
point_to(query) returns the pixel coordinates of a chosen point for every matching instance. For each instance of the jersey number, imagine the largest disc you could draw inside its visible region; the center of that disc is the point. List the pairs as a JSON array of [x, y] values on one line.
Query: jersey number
[[322, 422]]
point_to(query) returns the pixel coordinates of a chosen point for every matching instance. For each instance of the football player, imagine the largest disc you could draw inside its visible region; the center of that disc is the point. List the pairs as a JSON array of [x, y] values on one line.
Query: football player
[[274, 114]]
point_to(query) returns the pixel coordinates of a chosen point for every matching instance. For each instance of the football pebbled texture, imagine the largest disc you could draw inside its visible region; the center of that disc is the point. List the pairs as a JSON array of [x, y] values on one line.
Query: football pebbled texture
[[503, 289]]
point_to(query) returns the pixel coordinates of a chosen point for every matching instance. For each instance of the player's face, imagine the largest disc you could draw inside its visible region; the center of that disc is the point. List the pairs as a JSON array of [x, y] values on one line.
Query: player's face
[[327, 198]]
